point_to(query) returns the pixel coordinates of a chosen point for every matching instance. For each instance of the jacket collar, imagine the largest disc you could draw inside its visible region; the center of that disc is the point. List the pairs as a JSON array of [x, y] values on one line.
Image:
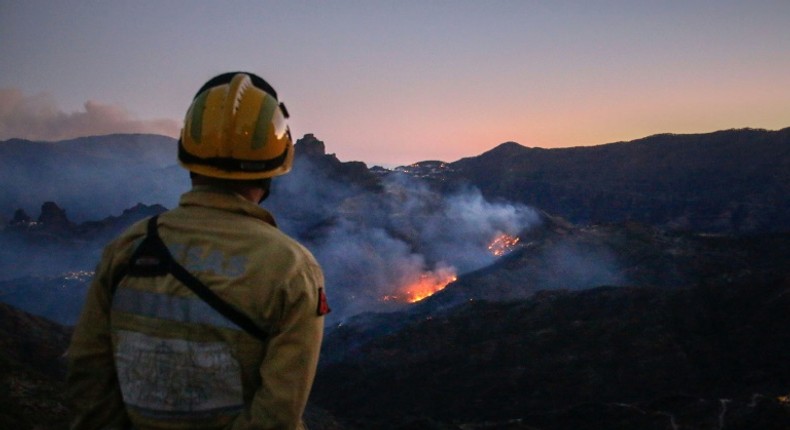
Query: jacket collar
[[219, 198]]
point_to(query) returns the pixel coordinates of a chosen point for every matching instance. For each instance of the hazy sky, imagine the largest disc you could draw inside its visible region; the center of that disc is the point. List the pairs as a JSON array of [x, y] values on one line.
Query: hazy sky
[[403, 81]]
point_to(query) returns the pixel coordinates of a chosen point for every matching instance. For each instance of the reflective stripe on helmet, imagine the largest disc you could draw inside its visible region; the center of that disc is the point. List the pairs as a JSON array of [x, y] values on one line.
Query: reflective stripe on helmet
[[264, 122], [196, 127]]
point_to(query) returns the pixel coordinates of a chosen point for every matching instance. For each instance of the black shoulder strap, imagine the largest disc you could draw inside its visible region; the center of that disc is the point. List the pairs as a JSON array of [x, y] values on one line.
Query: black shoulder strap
[[152, 258]]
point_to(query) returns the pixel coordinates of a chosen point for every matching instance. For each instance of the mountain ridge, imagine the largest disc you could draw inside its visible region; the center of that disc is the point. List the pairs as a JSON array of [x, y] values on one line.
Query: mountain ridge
[[598, 315], [731, 180], [728, 180]]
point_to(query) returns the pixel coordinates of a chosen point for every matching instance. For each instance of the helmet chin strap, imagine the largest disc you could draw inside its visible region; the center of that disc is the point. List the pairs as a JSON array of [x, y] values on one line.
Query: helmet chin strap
[[265, 185], [264, 196]]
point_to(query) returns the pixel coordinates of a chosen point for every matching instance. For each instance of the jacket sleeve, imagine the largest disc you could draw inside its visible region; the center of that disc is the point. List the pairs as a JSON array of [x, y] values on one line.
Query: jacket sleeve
[[92, 385], [289, 365]]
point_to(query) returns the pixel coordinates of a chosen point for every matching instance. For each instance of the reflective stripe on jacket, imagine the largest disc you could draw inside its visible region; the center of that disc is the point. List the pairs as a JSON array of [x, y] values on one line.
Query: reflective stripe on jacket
[[154, 355]]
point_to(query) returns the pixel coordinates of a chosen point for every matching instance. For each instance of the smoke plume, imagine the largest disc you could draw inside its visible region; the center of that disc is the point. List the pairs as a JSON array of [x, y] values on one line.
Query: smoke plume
[[374, 245], [38, 117], [377, 244]]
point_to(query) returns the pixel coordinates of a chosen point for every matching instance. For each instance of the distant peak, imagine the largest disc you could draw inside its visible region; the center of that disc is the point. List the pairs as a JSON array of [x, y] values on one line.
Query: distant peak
[[144, 209], [510, 144], [51, 213], [507, 148], [310, 145]]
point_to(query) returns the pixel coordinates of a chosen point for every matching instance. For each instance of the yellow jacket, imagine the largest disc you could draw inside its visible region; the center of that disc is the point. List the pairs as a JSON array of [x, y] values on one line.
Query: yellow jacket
[[153, 355]]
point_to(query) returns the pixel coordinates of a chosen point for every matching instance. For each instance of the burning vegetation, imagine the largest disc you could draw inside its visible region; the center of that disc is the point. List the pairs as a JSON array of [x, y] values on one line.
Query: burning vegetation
[[503, 244], [431, 282], [428, 284]]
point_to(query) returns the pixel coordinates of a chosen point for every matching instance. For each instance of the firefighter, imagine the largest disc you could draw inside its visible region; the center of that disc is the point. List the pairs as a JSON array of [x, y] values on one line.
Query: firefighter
[[206, 316]]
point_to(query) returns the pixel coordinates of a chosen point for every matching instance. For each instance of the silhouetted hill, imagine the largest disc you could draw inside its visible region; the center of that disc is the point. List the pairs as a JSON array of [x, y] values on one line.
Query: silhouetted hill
[[727, 181], [90, 177]]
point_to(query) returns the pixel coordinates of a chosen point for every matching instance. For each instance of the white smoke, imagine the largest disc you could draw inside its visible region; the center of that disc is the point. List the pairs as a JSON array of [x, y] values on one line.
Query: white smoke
[[373, 241], [372, 245], [38, 117], [467, 224]]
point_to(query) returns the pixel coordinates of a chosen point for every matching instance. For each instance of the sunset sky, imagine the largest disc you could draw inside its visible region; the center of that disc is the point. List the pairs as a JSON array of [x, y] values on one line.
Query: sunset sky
[[402, 81]]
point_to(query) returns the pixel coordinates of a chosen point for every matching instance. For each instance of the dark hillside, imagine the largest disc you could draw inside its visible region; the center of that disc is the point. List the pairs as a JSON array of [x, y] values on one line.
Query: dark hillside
[[32, 370], [685, 323], [558, 255], [727, 181], [564, 356]]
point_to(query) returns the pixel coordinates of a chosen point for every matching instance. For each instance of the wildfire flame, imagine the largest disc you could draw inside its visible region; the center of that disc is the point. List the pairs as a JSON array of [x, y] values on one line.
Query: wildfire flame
[[503, 244], [428, 284], [431, 282]]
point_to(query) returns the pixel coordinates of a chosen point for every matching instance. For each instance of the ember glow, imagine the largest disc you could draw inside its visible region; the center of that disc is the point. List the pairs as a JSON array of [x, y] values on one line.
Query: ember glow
[[503, 244], [428, 284]]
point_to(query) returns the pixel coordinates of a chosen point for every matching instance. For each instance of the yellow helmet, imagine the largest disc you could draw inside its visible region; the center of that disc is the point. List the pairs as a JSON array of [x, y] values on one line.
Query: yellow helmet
[[235, 129]]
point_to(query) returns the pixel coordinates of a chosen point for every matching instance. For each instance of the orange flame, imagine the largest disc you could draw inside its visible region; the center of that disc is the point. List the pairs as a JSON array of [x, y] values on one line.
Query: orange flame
[[428, 284], [503, 244]]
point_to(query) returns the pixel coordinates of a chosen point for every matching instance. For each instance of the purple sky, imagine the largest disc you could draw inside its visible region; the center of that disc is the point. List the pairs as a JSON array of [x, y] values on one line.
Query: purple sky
[[403, 81]]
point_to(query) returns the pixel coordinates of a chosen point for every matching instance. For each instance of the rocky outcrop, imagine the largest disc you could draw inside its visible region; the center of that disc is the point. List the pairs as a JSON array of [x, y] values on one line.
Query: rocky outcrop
[[312, 159], [310, 146], [53, 217], [20, 218]]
